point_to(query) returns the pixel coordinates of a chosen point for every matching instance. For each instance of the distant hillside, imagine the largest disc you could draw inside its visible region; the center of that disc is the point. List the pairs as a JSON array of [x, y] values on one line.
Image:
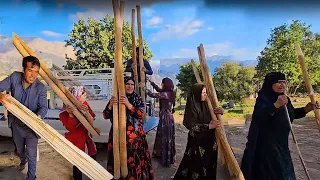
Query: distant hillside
[[50, 52], [172, 65], [54, 52]]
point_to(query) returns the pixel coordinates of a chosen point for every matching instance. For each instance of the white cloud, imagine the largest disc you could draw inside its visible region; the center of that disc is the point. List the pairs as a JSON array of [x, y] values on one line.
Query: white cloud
[[51, 33], [181, 30], [155, 62], [147, 12], [210, 28], [94, 14], [97, 9], [222, 49], [155, 20]]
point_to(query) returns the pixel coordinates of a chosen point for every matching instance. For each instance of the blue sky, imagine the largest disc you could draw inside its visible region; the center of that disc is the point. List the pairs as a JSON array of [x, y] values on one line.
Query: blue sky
[[171, 28]]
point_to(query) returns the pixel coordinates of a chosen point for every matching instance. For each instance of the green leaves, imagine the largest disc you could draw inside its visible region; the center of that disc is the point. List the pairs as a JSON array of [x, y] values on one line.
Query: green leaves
[[234, 82], [187, 78], [280, 55], [94, 43]]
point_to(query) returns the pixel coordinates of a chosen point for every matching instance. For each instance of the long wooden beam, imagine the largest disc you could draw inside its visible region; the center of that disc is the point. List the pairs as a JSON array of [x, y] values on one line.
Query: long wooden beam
[[56, 81], [232, 163], [117, 8], [141, 63], [56, 89], [220, 147], [308, 83], [73, 154], [67, 98], [134, 54]]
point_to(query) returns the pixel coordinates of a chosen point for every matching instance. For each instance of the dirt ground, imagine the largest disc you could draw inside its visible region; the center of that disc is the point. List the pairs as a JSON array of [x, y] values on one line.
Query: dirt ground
[[53, 166]]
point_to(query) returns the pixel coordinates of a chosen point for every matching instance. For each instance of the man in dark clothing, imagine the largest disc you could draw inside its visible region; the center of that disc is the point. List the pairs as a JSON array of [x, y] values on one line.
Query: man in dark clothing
[[147, 69], [29, 91]]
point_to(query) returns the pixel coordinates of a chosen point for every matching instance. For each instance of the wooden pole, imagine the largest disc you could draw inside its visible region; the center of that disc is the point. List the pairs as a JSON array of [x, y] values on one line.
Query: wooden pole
[[85, 116], [220, 147], [134, 54], [308, 83], [195, 71], [58, 91], [121, 88], [74, 155], [232, 163], [57, 82], [142, 73], [295, 142], [116, 145]]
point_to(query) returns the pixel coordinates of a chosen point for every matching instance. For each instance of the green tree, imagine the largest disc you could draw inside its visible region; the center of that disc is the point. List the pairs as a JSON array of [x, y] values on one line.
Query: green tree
[[186, 78], [280, 54], [234, 82], [94, 43]]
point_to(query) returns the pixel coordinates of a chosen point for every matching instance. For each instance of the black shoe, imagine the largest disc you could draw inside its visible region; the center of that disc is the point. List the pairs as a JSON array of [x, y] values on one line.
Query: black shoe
[[22, 167]]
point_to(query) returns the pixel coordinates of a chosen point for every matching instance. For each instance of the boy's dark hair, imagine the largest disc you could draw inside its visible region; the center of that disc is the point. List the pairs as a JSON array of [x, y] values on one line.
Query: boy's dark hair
[[137, 50], [32, 59]]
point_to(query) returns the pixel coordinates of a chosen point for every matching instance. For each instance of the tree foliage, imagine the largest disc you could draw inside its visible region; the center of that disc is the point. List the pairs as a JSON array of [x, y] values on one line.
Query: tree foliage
[[234, 82], [186, 78], [94, 43], [280, 55]]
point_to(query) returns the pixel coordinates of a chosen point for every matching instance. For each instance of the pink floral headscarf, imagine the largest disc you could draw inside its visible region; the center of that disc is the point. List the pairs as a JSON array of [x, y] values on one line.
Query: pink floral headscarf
[[77, 91]]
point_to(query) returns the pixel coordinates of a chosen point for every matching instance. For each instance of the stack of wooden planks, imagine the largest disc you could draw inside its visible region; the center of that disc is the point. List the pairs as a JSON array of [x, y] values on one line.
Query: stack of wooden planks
[[72, 153]]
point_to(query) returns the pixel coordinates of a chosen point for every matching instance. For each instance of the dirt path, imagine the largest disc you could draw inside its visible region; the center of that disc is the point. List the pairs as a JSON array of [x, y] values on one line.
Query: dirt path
[[53, 165]]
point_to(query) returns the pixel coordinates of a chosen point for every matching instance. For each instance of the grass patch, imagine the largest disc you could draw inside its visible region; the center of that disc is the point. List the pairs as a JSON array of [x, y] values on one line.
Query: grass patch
[[246, 110]]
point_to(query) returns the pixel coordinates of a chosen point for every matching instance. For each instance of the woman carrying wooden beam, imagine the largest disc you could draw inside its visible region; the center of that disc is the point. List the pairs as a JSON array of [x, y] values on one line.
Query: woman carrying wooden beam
[[201, 154], [77, 133], [267, 155], [138, 155]]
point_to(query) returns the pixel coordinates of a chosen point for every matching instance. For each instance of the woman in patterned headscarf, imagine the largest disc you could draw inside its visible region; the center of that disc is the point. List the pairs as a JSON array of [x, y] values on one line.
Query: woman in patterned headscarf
[[164, 145], [200, 158], [139, 160], [77, 133]]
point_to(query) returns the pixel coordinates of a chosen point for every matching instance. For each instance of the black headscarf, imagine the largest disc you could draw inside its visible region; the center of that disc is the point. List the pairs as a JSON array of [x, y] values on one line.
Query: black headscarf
[[269, 80], [134, 98], [196, 111]]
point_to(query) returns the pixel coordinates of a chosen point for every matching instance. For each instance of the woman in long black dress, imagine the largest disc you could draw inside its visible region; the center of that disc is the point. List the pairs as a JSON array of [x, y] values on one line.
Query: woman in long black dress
[[164, 145], [200, 158], [267, 155], [139, 160]]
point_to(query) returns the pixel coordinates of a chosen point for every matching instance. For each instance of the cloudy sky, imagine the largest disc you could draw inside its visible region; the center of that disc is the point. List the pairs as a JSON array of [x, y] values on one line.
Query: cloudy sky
[[172, 28]]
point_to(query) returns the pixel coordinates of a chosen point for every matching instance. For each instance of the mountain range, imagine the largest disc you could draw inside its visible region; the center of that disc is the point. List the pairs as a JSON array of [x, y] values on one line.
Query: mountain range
[[54, 53], [172, 65]]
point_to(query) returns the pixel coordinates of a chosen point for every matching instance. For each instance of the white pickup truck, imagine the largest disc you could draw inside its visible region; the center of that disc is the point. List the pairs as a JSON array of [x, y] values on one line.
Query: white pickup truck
[[101, 84]]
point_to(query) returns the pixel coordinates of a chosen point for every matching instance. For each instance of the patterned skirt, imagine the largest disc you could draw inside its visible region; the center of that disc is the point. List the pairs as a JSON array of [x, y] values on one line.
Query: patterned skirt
[[164, 145], [200, 158], [139, 160]]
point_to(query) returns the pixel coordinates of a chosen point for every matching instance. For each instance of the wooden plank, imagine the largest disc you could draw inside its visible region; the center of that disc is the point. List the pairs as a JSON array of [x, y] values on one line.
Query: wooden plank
[[308, 83], [56, 89], [64, 147], [117, 6], [115, 123], [142, 73], [233, 166], [134, 54], [58, 83], [220, 147], [71, 82]]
